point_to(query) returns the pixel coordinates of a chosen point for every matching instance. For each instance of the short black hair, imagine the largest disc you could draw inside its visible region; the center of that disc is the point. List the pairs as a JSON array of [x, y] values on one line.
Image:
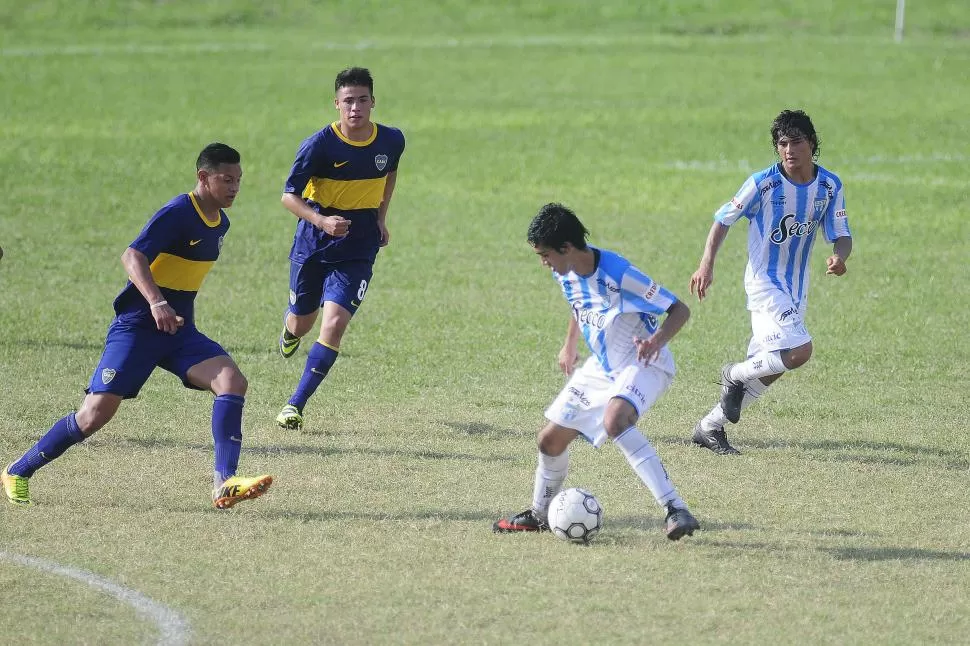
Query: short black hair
[[555, 225], [794, 123], [354, 77], [216, 154]]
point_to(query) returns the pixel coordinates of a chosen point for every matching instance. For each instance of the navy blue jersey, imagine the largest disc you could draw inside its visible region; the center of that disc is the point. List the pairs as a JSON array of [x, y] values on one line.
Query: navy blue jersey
[[181, 246], [337, 176]]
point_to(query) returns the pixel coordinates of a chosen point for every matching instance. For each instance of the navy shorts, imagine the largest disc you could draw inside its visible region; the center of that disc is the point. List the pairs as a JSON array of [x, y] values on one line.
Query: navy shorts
[[344, 283], [132, 352]]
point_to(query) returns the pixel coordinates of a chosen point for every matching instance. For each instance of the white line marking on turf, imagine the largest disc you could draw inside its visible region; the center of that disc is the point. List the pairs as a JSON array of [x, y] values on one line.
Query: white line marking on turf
[[484, 42], [174, 627]]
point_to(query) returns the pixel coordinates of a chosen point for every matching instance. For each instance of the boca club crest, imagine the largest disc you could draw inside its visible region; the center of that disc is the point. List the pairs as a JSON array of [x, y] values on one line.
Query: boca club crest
[[380, 161], [107, 375]]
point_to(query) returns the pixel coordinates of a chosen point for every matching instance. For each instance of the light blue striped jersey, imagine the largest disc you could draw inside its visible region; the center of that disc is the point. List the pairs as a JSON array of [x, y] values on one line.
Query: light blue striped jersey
[[612, 305], [784, 218]]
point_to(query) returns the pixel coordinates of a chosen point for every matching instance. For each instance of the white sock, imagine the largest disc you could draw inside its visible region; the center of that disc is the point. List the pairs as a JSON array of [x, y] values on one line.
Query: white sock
[[752, 391], [550, 474], [763, 364], [647, 465]]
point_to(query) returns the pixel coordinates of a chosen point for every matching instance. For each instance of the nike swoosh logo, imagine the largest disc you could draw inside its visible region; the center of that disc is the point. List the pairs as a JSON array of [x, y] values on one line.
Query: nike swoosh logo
[[235, 439], [355, 303], [339, 164], [317, 372], [192, 243]]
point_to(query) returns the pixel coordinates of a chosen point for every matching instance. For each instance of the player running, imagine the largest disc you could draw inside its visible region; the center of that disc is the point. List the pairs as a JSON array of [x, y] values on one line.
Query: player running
[[154, 326], [615, 307], [340, 187], [786, 204]]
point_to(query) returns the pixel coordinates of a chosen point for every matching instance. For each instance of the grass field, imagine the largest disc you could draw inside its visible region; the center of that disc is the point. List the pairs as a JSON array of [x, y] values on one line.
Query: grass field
[[845, 521]]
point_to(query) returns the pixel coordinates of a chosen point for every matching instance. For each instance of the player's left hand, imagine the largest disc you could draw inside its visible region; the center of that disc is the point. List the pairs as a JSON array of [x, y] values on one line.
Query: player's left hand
[[385, 234], [835, 265], [647, 349]]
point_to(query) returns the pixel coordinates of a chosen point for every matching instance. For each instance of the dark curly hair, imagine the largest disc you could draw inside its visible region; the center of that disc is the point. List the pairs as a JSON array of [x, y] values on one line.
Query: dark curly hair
[[555, 225], [354, 77], [795, 124]]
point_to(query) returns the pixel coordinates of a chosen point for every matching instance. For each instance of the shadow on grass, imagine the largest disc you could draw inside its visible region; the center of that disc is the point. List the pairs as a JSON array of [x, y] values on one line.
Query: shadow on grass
[[892, 554], [322, 451], [417, 516], [848, 451], [481, 428]]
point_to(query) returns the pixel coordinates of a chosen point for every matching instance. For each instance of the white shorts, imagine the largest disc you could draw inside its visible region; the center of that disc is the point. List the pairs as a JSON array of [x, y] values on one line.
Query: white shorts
[[777, 325], [581, 405]]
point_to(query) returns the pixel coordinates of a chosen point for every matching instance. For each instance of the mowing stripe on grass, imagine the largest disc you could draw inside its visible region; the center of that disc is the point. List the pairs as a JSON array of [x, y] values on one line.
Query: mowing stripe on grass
[[174, 628]]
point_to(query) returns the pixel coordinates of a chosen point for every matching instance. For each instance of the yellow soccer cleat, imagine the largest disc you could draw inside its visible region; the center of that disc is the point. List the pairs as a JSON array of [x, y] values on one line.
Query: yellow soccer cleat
[[16, 487], [238, 488], [290, 418]]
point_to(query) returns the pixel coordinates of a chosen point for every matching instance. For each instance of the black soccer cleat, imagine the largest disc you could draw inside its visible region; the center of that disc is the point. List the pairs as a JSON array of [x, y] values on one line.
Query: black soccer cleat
[[526, 521], [732, 392], [679, 523], [715, 440]]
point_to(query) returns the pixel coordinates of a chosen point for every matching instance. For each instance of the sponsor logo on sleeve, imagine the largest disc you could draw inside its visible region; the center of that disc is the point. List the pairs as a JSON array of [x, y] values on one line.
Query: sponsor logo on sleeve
[[651, 291], [736, 203], [840, 213]]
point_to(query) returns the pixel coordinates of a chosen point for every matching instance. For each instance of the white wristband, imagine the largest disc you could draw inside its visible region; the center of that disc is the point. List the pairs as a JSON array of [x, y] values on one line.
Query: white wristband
[[159, 304]]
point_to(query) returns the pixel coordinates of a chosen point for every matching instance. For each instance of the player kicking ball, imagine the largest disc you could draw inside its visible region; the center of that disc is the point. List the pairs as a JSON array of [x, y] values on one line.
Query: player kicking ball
[[615, 307], [154, 326]]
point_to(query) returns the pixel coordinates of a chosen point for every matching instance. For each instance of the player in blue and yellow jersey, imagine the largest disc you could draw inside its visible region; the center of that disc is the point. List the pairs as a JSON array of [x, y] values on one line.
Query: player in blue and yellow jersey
[[339, 187], [616, 308], [154, 326], [786, 205]]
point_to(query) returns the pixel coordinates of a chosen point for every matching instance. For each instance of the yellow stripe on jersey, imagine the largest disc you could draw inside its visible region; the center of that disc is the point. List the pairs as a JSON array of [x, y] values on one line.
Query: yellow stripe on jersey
[[346, 194], [175, 272]]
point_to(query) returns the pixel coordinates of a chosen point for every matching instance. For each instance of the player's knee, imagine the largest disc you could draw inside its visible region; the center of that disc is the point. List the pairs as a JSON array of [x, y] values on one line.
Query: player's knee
[[93, 417], [797, 357], [231, 382], [301, 324], [620, 416], [551, 442]]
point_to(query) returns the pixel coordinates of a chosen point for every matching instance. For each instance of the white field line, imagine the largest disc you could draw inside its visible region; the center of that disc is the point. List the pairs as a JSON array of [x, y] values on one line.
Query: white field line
[[173, 627], [480, 42]]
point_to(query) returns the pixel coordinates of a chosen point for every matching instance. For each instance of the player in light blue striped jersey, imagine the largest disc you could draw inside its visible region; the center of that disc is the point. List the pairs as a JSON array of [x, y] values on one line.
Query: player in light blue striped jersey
[[616, 309], [786, 204]]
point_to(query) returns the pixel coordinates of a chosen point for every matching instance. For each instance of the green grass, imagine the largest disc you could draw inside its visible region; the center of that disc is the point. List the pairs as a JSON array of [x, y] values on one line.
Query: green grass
[[844, 522]]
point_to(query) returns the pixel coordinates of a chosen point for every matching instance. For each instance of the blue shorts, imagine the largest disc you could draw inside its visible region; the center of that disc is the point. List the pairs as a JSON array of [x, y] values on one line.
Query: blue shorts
[[132, 352], [313, 283]]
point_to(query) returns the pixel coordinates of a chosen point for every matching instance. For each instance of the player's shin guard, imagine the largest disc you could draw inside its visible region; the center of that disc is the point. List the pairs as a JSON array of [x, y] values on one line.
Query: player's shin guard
[[550, 474], [64, 434], [763, 364], [318, 363], [647, 465], [227, 413]]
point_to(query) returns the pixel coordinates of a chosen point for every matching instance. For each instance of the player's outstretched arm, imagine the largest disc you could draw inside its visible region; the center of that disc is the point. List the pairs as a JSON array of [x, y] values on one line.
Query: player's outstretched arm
[[140, 274], [649, 349], [835, 264], [704, 276], [569, 355]]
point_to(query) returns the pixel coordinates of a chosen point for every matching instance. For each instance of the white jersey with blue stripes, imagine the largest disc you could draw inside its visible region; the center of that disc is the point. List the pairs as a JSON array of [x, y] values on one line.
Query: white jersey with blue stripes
[[784, 218], [613, 304]]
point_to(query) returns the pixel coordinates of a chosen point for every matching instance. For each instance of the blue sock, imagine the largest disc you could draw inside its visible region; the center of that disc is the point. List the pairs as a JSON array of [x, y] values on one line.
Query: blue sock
[[227, 413], [318, 363], [64, 434]]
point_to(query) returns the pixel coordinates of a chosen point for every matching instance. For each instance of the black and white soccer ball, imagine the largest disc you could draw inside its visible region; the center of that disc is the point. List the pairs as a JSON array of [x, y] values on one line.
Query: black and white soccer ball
[[575, 515]]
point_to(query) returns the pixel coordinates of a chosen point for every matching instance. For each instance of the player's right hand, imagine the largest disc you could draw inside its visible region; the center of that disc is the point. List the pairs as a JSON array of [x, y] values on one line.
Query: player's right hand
[[167, 320], [568, 357], [701, 280], [335, 225]]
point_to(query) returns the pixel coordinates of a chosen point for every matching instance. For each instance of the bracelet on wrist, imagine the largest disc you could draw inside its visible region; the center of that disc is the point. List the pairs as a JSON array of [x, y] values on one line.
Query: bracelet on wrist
[[159, 304]]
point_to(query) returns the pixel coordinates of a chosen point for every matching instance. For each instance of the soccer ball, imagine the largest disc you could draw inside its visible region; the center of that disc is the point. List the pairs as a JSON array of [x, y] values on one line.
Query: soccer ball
[[575, 515]]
